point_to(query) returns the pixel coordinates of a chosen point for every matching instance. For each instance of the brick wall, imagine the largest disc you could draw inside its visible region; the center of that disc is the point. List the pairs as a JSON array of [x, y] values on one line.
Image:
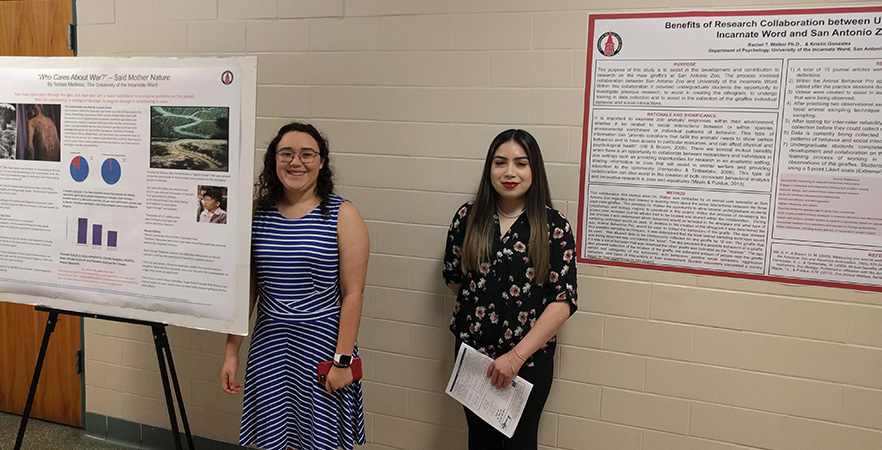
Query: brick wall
[[410, 94]]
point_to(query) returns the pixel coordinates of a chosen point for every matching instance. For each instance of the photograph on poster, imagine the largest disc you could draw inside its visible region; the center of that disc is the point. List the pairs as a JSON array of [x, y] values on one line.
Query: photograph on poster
[[39, 132], [189, 138], [212, 204], [7, 131]]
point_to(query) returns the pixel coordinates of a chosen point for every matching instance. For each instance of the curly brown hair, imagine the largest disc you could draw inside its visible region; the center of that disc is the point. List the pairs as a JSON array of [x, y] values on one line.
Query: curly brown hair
[[269, 188]]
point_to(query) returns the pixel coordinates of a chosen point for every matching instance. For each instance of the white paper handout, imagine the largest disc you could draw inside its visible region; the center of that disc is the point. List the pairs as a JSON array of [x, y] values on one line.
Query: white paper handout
[[470, 386]]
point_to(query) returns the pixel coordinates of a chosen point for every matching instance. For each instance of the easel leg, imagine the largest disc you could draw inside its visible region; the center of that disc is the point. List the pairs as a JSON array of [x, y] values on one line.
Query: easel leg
[[160, 340], [50, 327], [163, 352], [180, 397]]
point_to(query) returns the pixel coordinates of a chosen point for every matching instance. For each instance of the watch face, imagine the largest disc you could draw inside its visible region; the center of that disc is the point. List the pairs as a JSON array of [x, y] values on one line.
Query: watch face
[[343, 359]]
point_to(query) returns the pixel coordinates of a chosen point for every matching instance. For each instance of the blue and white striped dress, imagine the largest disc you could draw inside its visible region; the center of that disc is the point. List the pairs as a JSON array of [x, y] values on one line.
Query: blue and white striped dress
[[297, 320]]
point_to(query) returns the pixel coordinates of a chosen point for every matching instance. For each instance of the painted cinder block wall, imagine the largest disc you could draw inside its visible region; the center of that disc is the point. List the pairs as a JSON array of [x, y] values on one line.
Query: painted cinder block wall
[[410, 93]]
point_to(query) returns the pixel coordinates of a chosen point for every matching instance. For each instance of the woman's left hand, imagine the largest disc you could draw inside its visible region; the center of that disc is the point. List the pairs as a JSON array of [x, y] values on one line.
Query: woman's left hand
[[503, 369], [338, 377]]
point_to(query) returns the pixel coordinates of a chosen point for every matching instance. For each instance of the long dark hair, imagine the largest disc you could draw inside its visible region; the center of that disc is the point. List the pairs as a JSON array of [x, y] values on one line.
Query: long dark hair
[[479, 231], [270, 189]]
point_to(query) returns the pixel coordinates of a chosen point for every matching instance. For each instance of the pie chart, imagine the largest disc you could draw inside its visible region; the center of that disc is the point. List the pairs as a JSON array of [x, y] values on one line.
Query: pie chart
[[110, 171], [79, 169]]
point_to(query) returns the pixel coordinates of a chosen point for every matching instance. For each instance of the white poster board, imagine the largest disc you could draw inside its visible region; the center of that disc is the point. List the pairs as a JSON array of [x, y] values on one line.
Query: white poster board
[[736, 143], [125, 187]]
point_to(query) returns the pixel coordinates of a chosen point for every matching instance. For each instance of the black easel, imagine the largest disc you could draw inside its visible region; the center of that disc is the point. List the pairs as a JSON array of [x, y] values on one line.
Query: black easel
[[163, 354]]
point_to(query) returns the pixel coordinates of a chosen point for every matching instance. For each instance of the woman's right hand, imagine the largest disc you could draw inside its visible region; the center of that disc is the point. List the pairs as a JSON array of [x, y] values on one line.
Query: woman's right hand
[[503, 369], [228, 375]]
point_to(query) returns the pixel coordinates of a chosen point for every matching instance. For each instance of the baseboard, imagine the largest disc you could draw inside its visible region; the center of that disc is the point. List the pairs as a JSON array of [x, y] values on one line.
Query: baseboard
[[140, 436]]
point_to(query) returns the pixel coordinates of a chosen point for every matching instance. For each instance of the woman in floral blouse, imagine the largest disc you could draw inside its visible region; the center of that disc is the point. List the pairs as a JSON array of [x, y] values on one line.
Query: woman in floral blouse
[[510, 260]]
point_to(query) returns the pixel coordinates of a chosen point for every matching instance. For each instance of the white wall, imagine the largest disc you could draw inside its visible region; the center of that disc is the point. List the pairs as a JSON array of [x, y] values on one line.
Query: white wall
[[410, 93]]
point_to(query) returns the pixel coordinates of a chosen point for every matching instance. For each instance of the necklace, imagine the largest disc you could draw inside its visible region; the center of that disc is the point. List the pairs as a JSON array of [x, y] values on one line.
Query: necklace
[[511, 217]]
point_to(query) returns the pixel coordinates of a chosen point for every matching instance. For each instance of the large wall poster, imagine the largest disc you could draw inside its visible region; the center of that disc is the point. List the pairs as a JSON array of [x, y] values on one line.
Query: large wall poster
[[736, 143], [125, 187]]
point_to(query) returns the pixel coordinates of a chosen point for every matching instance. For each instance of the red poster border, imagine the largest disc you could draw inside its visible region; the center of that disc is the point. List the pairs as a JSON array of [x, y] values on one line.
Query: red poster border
[[582, 182]]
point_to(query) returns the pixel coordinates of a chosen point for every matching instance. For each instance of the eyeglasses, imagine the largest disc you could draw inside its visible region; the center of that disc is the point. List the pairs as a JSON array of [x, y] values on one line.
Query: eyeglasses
[[306, 156]]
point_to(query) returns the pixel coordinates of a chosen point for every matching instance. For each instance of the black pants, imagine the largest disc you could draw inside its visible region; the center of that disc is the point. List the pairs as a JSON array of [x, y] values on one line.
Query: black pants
[[483, 436]]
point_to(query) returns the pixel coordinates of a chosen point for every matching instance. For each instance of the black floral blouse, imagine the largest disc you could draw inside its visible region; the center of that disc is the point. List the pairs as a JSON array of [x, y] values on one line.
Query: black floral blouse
[[499, 304]]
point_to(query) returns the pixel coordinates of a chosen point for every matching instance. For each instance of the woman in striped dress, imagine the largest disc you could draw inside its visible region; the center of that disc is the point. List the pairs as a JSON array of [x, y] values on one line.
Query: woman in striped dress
[[309, 261]]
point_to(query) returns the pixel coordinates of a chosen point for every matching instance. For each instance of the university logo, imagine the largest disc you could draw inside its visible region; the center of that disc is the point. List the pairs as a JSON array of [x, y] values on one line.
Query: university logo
[[609, 44], [227, 77]]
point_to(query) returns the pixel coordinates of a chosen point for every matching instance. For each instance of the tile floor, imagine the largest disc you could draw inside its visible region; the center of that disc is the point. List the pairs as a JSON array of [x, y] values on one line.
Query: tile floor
[[40, 435]]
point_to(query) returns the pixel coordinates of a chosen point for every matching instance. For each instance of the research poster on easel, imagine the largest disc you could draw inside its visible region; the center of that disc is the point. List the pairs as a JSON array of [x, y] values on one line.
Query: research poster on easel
[[736, 143], [125, 187]]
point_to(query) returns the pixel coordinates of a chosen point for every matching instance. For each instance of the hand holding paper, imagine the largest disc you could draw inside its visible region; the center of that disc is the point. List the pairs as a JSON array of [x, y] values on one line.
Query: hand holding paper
[[469, 384], [503, 370]]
